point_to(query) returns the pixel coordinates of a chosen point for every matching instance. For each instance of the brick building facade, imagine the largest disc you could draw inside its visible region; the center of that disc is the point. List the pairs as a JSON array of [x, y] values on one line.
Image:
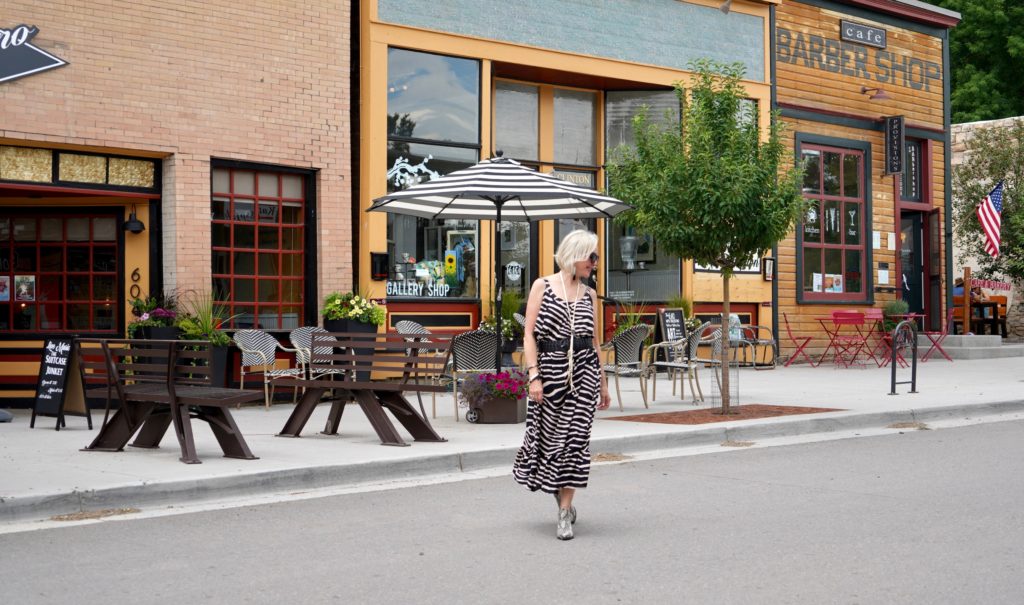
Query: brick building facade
[[248, 103]]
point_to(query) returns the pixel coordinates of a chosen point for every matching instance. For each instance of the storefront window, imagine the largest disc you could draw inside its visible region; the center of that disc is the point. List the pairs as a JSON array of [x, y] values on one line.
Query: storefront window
[[636, 270], [832, 231], [622, 106], [59, 273], [258, 236], [516, 109], [575, 127], [433, 129]]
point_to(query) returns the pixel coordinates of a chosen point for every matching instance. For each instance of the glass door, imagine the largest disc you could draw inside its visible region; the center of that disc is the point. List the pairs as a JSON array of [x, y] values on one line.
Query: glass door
[[911, 266]]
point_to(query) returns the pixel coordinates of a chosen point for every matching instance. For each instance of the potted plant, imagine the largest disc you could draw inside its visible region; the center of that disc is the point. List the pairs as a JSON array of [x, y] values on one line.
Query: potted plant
[[511, 330], [154, 317], [495, 398], [891, 310], [201, 318], [351, 312]]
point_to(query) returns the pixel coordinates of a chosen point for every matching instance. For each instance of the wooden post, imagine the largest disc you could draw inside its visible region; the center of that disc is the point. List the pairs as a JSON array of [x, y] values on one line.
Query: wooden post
[[967, 301]]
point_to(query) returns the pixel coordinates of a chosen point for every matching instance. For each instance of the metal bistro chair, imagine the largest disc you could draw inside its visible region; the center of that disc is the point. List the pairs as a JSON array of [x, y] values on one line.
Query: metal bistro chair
[[799, 342], [677, 360], [259, 350], [408, 327], [302, 340], [761, 338], [626, 348], [472, 351]]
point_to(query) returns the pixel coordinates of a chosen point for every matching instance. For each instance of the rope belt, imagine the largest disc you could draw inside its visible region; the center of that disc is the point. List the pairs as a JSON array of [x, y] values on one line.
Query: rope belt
[[561, 345]]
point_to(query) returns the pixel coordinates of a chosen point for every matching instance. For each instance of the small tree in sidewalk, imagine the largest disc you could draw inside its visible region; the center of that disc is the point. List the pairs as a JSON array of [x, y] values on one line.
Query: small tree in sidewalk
[[717, 190]]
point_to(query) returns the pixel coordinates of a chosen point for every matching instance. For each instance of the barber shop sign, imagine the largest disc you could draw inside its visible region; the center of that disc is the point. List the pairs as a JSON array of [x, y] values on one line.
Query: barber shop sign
[[19, 57]]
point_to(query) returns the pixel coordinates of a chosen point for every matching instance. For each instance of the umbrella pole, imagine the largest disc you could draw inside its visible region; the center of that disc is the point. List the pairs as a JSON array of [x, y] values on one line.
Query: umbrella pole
[[497, 279]]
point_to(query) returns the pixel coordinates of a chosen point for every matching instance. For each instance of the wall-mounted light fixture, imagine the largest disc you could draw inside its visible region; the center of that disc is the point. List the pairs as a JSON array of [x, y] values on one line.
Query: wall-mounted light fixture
[[133, 224], [875, 94]]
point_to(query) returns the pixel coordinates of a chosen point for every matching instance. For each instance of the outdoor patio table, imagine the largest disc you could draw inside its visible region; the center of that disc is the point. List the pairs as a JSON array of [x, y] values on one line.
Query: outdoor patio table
[[845, 347]]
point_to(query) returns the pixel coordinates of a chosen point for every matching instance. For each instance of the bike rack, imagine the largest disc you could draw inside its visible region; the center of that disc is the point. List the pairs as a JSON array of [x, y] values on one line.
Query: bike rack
[[904, 336]]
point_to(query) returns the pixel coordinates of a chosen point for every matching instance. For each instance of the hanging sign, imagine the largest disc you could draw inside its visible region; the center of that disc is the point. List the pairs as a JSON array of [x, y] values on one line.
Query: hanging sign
[[894, 144], [514, 272], [19, 57]]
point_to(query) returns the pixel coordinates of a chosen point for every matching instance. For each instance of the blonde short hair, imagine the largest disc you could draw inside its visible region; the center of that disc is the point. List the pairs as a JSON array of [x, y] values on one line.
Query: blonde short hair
[[575, 247]]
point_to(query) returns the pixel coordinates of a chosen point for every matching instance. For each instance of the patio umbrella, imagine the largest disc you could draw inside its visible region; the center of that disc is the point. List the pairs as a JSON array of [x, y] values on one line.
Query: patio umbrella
[[499, 189]]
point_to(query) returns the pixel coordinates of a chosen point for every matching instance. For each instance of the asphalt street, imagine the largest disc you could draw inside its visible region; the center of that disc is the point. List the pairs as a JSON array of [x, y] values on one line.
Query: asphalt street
[[922, 516]]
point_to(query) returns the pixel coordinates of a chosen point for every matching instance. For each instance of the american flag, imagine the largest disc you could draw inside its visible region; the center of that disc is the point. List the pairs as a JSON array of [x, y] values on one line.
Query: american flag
[[989, 213]]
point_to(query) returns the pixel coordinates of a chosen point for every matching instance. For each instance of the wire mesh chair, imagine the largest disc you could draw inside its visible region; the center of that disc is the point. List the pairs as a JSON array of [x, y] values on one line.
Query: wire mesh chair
[[626, 348], [409, 327], [714, 340], [259, 350], [302, 340], [472, 351]]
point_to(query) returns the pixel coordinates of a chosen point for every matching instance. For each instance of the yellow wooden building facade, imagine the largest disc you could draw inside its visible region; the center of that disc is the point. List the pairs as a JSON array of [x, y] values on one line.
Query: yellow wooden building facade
[[848, 75]]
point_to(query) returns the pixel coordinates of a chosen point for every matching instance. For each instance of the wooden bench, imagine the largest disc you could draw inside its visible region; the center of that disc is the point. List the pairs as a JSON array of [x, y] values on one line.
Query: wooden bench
[[372, 370], [159, 383]]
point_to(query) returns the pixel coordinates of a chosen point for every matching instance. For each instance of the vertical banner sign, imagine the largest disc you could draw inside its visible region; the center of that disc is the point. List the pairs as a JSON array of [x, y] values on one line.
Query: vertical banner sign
[[59, 386], [894, 144]]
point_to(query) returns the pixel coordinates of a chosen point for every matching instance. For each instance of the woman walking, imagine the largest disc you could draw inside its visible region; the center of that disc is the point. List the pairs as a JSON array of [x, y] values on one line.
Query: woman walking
[[566, 381]]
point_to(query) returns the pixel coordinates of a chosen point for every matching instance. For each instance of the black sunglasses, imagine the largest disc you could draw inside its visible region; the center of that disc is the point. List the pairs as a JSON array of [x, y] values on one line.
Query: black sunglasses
[[593, 257]]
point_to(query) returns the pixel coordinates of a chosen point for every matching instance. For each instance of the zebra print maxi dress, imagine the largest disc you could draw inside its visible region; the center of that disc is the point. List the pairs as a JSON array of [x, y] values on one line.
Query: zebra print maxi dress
[[556, 448]]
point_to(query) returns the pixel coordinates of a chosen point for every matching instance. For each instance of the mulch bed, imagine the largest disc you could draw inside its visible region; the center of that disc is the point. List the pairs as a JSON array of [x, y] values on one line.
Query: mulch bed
[[746, 411]]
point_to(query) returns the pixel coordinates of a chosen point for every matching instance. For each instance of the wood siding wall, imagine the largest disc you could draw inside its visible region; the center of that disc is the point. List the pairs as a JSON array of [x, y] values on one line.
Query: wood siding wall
[[820, 77]]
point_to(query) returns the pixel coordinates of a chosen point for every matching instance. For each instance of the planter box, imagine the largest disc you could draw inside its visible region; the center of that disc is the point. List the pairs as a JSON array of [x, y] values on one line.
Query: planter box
[[498, 411]]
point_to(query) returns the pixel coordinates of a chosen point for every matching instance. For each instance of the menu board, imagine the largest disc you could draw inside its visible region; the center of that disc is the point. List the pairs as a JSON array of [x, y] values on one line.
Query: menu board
[[59, 388], [671, 324]]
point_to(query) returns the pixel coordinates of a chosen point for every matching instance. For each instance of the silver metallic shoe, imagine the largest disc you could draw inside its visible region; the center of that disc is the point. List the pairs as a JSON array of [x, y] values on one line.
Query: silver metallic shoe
[[572, 509], [564, 531]]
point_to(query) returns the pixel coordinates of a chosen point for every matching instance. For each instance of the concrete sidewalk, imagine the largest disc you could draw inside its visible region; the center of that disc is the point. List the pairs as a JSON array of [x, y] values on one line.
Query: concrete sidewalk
[[43, 473]]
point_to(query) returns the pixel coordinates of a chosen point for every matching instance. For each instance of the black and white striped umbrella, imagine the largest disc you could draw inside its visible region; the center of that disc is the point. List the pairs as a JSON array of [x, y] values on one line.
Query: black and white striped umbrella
[[499, 189]]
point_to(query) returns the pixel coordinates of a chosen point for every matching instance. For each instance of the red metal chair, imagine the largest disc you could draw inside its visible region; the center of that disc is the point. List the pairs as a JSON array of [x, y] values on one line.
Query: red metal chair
[[800, 342], [937, 338], [848, 346]]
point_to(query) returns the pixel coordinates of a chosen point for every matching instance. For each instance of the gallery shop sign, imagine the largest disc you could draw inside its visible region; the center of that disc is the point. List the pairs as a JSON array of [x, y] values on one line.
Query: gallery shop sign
[[19, 57], [849, 59], [411, 287]]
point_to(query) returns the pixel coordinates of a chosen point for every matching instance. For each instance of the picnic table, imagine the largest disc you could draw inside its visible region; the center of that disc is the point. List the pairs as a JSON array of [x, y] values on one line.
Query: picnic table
[[372, 370], [160, 383]]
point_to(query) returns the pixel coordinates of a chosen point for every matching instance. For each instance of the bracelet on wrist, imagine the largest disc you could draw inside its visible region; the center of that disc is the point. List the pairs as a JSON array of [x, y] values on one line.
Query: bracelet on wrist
[[534, 377]]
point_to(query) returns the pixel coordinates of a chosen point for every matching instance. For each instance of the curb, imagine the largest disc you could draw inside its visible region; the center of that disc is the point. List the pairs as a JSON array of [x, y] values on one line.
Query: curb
[[149, 495]]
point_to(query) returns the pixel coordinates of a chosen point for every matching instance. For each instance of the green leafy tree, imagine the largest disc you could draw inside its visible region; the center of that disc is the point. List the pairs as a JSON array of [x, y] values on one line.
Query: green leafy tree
[[986, 51], [713, 190], [993, 154]]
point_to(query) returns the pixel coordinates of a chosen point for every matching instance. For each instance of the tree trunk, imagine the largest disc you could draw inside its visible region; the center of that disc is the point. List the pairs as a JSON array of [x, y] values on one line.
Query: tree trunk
[[725, 344]]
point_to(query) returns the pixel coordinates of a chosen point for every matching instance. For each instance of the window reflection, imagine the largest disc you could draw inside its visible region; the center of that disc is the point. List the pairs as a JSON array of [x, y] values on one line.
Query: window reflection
[[433, 96]]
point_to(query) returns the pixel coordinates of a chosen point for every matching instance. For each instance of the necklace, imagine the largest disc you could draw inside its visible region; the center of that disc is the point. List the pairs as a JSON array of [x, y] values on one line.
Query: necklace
[[570, 307]]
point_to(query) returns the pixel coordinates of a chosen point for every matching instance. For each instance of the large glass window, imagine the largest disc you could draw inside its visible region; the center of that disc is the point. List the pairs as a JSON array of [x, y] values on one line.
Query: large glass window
[[59, 272], [516, 110], [258, 236], [433, 129], [833, 236], [635, 268], [575, 127]]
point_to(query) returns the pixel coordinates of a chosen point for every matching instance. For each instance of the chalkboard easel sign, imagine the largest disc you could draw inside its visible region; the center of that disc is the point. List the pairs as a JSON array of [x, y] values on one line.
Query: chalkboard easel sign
[[671, 325], [59, 387]]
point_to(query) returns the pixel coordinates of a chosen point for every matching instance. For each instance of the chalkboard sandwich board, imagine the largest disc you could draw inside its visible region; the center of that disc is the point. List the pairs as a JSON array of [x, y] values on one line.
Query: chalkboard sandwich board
[[671, 326], [59, 387]]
